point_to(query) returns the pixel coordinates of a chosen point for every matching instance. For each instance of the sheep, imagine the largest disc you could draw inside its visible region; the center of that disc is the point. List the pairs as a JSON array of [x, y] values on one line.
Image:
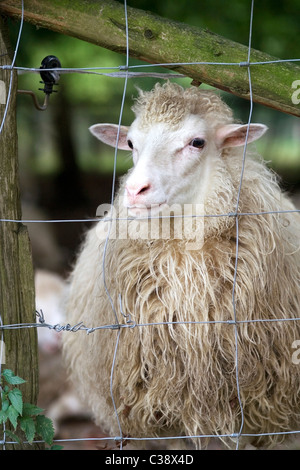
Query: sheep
[[49, 289], [180, 378], [56, 394]]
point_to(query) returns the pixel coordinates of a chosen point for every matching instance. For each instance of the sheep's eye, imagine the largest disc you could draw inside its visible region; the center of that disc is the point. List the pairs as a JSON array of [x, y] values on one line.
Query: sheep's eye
[[198, 143], [130, 144]]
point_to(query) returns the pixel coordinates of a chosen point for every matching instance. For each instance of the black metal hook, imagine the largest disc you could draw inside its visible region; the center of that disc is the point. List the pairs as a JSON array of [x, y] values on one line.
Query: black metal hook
[[49, 79]]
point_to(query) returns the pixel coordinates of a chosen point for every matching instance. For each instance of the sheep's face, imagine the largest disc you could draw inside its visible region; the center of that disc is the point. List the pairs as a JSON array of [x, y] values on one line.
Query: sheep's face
[[168, 163], [172, 165]]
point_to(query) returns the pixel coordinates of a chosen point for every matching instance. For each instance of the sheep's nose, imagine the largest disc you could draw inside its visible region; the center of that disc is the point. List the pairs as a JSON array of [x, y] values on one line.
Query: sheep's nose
[[133, 191]]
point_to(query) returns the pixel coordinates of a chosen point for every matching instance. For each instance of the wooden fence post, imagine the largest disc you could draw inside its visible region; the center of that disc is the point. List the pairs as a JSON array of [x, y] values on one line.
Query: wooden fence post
[[17, 297]]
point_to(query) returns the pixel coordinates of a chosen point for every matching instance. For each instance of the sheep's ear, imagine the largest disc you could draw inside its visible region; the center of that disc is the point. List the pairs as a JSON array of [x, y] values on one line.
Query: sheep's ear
[[234, 135], [108, 134]]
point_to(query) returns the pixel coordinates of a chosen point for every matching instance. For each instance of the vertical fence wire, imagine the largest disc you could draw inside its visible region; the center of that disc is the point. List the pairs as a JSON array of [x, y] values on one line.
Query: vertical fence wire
[[1, 129], [110, 225], [12, 67], [237, 231], [126, 74]]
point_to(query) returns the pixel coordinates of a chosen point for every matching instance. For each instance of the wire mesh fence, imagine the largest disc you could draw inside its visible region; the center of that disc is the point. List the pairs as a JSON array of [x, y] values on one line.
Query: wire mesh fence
[[127, 72]]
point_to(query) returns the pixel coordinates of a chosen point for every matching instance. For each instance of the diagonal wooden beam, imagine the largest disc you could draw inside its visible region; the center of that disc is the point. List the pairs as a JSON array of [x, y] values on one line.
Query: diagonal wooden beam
[[159, 40]]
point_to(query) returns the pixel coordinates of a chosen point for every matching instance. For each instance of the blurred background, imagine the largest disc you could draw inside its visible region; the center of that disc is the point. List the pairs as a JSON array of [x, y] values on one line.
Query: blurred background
[[65, 173]]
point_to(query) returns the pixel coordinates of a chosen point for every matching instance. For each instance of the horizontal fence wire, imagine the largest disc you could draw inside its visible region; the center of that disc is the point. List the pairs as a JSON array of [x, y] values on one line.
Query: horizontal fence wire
[[124, 71], [112, 219]]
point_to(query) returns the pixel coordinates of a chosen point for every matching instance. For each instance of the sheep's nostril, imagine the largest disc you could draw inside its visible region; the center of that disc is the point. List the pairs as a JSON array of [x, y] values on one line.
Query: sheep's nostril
[[134, 191], [144, 189]]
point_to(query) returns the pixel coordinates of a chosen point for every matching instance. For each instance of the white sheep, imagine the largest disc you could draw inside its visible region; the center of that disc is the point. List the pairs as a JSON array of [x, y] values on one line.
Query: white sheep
[[179, 378], [49, 290]]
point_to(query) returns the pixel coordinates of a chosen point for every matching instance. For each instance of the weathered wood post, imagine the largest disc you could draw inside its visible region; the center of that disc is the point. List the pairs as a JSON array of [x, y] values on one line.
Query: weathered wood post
[[17, 298]]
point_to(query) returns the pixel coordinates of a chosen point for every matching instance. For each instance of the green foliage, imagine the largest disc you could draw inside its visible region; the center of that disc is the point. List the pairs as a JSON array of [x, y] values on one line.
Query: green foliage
[[24, 416]]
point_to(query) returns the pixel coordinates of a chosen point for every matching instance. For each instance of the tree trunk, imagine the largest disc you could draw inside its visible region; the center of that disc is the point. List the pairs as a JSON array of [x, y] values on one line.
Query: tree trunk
[[158, 40], [17, 298]]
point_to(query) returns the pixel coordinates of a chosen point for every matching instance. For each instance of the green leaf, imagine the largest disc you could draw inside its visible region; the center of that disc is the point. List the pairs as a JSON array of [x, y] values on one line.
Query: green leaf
[[44, 428], [31, 410], [55, 447], [13, 415], [12, 436], [3, 416], [15, 397], [5, 405], [28, 426], [11, 378]]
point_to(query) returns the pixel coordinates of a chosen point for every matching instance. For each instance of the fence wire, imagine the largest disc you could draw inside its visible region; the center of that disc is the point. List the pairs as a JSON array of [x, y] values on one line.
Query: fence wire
[[124, 71]]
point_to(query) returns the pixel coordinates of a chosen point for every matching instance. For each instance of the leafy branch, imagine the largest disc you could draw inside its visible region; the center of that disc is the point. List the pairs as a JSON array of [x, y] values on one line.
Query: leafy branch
[[24, 416]]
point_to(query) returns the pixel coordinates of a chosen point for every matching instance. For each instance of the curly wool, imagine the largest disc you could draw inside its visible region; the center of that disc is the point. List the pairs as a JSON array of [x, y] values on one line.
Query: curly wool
[[171, 103], [180, 378]]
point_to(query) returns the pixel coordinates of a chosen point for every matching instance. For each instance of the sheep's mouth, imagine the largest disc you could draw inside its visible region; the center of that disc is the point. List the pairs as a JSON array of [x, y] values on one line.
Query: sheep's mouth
[[141, 210]]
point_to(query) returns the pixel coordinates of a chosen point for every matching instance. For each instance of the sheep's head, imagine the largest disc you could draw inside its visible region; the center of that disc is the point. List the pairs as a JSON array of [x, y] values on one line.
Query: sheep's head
[[176, 139]]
